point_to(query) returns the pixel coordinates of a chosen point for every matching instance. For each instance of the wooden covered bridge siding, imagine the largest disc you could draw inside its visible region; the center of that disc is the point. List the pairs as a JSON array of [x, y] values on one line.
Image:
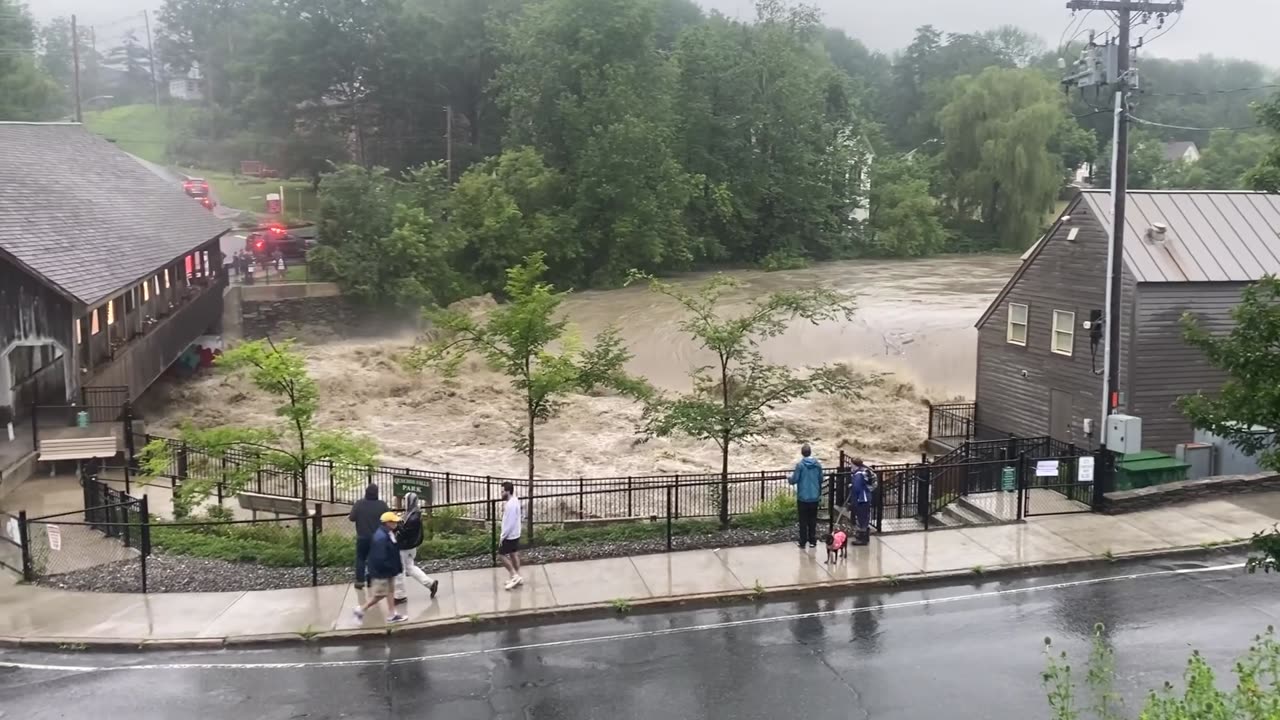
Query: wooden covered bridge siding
[[35, 340]]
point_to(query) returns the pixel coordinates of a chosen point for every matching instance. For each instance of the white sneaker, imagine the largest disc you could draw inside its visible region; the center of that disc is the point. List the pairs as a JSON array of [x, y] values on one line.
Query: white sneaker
[[514, 581], [358, 612], [519, 580]]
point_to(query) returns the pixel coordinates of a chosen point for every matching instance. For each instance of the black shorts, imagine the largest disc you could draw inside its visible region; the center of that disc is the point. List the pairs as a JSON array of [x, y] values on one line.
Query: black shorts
[[509, 546]]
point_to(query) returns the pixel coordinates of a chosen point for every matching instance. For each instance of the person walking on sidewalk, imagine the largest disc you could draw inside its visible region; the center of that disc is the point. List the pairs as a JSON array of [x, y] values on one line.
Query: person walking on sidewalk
[[408, 538], [509, 548], [807, 477], [384, 567], [862, 487], [366, 515]]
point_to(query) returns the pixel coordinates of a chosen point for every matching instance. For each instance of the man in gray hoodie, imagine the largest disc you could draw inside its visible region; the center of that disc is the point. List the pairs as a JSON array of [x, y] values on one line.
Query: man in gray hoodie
[[367, 515]]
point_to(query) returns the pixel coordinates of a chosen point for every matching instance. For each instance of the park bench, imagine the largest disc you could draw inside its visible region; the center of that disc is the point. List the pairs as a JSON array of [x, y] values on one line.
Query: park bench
[[78, 448]]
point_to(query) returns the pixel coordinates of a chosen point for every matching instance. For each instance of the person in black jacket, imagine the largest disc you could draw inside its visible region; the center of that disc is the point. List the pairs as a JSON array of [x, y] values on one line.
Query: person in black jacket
[[367, 515], [384, 566], [408, 538]]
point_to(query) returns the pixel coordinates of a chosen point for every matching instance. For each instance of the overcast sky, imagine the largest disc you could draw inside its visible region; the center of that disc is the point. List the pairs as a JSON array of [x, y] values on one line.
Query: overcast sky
[[1228, 28]]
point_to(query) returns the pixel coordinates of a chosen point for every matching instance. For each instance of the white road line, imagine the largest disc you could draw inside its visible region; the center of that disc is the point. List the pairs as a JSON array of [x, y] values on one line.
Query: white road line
[[611, 638]]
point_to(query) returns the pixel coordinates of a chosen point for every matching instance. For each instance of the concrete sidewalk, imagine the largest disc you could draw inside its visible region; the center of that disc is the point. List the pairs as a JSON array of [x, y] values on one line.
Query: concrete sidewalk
[[43, 617]]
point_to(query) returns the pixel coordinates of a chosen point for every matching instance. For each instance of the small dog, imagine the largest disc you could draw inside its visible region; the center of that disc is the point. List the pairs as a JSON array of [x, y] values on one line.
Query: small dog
[[837, 546]]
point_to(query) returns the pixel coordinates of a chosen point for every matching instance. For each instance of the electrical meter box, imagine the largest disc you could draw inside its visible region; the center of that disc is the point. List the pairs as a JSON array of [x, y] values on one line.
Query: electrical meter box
[[1124, 434]]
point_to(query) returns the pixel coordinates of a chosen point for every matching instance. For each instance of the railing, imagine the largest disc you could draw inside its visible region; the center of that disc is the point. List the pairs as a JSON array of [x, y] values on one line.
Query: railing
[[955, 420], [269, 272]]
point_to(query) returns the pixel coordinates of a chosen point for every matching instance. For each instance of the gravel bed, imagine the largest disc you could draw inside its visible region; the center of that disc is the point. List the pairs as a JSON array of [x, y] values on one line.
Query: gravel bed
[[180, 573]]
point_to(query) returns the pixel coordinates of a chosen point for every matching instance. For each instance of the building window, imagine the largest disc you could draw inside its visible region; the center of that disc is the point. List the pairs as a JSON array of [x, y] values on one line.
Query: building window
[[156, 282], [166, 278], [1064, 332], [146, 292], [93, 322], [111, 313], [1017, 331]]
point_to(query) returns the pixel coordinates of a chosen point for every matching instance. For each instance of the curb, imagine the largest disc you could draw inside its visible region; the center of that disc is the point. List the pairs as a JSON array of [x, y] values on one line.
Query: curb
[[566, 613]]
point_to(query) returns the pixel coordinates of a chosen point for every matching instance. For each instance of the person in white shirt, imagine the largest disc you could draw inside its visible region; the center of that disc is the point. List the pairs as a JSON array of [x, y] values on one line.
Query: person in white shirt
[[509, 548]]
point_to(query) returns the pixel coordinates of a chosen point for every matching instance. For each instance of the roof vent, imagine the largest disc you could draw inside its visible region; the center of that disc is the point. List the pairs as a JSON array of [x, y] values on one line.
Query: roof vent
[[1156, 233]]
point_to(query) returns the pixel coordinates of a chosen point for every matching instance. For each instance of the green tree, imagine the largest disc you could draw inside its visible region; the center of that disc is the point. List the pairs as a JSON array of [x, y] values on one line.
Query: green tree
[[1249, 355], [999, 128], [506, 208], [1255, 696], [731, 399], [903, 216], [383, 240], [131, 59], [1148, 169], [528, 340], [292, 448], [1265, 177], [26, 91]]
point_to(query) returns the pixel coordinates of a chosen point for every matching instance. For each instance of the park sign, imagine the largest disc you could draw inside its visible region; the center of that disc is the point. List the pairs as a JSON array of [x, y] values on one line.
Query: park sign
[[402, 485]]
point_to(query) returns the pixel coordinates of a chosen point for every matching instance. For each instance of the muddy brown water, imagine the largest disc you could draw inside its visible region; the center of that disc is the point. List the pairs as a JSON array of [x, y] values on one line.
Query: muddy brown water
[[915, 321]]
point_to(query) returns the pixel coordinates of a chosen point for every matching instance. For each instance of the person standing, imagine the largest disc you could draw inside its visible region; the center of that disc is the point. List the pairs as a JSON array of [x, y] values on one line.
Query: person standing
[[862, 487], [408, 539], [807, 477], [366, 514], [509, 548], [384, 567]]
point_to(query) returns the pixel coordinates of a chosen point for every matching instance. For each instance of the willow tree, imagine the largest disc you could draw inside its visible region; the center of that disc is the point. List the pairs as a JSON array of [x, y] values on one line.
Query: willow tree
[[528, 340], [731, 399], [999, 130]]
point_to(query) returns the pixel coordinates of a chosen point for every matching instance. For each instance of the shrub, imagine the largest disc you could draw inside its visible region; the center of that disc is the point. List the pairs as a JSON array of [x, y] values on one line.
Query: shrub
[[775, 513]]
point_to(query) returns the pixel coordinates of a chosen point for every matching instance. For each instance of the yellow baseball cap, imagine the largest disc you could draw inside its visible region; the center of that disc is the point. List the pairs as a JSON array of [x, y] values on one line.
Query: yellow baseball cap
[[390, 517]]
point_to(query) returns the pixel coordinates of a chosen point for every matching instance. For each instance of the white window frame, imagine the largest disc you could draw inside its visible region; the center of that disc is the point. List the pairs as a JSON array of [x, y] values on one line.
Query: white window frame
[[1025, 324], [1069, 331]]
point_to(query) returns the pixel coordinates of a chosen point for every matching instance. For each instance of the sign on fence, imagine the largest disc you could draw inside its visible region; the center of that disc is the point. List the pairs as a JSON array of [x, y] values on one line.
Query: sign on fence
[[1009, 479], [55, 537], [402, 484], [1084, 469], [1047, 468]]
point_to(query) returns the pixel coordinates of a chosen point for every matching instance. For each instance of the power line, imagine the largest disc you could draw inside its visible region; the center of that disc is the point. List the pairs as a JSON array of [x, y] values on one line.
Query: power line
[[1143, 42], [1191, 93], [1192, 129]]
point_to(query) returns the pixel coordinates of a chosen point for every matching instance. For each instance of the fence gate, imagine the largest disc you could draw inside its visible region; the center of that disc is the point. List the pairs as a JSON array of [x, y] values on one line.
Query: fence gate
[[1058, 485], [104, 403]]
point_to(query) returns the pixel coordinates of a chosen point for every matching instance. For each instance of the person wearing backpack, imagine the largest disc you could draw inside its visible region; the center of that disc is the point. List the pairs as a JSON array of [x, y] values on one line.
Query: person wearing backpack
[[862, 488], [408, 537]]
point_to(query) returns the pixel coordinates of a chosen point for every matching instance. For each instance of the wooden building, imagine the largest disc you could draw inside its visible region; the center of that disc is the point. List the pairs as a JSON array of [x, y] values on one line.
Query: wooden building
[[107, 271], [1039, 372]]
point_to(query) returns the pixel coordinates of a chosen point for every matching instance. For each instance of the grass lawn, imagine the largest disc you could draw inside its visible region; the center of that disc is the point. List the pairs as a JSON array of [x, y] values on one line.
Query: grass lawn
[[142, 130], [250, 194]]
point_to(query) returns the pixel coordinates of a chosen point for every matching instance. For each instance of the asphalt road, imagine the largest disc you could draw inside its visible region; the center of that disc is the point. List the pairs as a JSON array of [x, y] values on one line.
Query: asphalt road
[[963, 651]]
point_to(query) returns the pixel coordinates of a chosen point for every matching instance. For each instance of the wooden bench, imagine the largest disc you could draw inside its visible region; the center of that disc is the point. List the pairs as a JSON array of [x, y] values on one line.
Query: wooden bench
[[78, 448]]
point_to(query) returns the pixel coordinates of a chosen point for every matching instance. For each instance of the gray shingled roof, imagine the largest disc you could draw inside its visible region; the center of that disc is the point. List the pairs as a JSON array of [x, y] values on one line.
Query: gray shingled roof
[[1212, 236], [86, 215]]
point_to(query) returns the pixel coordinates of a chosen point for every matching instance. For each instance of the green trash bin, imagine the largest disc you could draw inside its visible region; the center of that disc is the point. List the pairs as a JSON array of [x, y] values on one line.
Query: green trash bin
[[82, 419], [1149, 468]]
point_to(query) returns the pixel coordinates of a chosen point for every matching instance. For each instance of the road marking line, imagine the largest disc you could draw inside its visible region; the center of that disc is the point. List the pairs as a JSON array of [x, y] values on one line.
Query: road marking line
[[616, 637]]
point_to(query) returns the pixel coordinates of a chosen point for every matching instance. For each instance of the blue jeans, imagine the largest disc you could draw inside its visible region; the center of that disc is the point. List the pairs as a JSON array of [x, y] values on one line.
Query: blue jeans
[[362, 558], [862, 516]]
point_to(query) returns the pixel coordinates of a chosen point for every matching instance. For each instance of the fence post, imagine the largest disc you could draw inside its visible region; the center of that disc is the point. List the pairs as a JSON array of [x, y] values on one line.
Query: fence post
[[629, 513], [1022, 485], [761, 486], [222, 479], [668, 518], [1104, 476], [923, 504], [332, 490], [448, 489], [831, 502], [879, 495], [582, 489], [931, 433], [677, 494], [24, 533], [316, 521], [145, 509], [530, 512], [493, 528]]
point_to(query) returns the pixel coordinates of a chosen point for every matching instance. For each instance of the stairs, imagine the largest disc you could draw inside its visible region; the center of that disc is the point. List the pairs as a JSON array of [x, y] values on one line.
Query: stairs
[[963, 513]]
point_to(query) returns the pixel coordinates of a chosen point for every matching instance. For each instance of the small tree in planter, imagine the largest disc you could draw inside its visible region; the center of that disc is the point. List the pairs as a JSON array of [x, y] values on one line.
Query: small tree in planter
[[291, 448], [731, 399]]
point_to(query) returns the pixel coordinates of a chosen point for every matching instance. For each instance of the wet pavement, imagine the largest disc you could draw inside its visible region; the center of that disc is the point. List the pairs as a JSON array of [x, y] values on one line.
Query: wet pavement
[[966, 650]]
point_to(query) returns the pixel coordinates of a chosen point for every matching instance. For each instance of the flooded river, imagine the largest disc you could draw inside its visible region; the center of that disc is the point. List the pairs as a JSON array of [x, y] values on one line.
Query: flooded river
[[915, 320]]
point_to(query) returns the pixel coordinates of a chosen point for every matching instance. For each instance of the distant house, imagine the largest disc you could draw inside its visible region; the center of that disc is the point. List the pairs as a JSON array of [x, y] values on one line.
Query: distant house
[[1181, 151], [1039, 373], [189, 87], [107, 272]]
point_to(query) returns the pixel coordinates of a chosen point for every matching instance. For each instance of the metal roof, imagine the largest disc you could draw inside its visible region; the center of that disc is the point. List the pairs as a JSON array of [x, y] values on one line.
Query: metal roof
[[87, 217], [1212, 236]]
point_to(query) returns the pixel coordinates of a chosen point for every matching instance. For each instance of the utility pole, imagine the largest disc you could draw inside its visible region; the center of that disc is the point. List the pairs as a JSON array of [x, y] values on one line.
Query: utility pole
[[448, 141], [1117, 75], [75, 65], [151, 56]]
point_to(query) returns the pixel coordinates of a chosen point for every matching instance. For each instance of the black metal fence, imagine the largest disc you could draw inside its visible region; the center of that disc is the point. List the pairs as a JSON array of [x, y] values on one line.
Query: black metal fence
[[109, 539]]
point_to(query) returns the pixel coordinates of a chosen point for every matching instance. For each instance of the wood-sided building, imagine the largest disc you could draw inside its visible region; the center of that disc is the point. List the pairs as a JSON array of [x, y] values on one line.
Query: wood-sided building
[[1039, 373], [108, 272]]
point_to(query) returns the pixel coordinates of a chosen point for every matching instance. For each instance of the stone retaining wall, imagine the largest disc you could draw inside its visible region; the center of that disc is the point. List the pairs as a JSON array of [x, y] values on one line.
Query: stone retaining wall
[[312, 312], [1125, 501]]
